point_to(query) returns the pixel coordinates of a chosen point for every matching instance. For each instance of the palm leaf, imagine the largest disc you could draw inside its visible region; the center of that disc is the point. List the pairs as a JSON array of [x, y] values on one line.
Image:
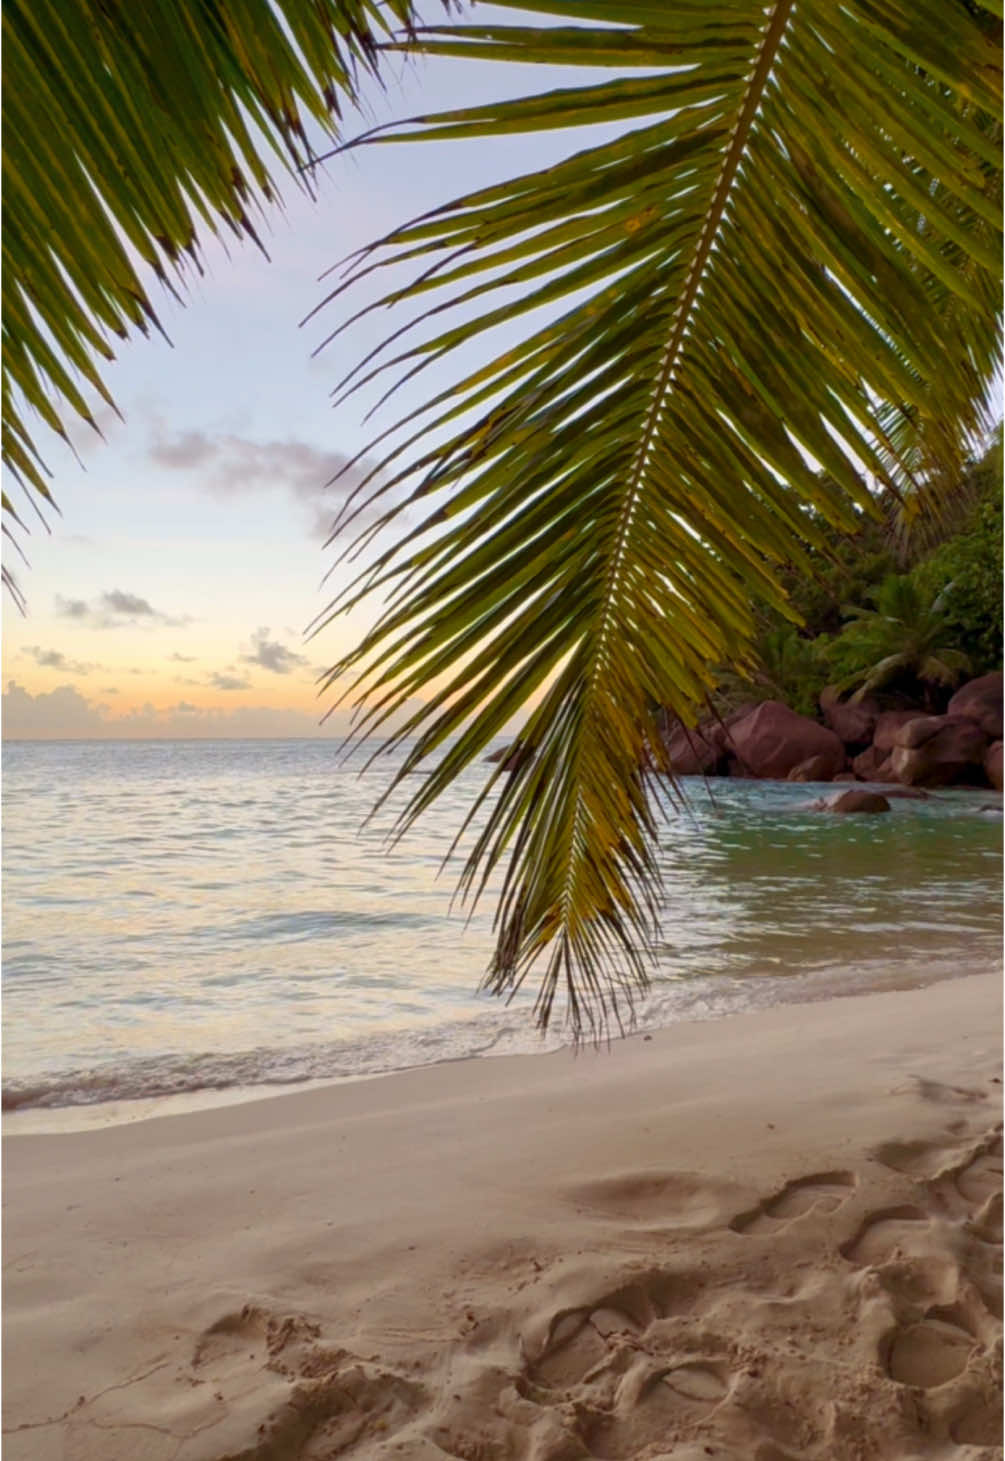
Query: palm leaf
[[743, 281], [128, 131], [937, 497], [945, 666]]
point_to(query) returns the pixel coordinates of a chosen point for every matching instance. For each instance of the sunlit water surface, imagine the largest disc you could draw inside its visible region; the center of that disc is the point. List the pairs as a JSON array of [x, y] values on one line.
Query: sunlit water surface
[[196, 916]]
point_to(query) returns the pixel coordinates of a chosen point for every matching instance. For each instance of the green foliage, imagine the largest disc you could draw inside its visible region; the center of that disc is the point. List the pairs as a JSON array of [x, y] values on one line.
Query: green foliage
[[789, 255], [844, 570], [790, 667], [128, 130], [903, 640], [966, 573]]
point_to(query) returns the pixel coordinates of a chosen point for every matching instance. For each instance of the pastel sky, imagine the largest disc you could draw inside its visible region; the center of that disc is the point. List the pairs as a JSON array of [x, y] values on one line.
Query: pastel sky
[[172, 595]]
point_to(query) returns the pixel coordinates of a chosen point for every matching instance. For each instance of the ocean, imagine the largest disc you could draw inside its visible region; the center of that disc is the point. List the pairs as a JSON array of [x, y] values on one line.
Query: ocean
[[202, 920]]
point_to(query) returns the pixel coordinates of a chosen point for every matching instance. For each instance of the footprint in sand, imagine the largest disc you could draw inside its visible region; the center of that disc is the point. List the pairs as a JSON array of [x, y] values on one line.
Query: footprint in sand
[[890, 1233], [823, 1192], [618, 1364], [981, 1178], [927, 1354], [976, 1169], [962, 1180], [945, 1095], [918, 1159], [579, 1342], [299, 1398], [704, 1383], [655, 1200], [651, 1401], [986, 1223], [581, 1339]]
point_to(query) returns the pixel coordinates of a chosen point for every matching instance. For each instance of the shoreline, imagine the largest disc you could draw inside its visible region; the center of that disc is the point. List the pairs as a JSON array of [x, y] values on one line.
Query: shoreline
[[805, 989], [204, 969], [759, 1234]]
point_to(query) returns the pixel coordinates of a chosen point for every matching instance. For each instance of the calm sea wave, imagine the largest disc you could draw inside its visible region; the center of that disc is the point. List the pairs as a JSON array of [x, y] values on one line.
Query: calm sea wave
[[187, 916]]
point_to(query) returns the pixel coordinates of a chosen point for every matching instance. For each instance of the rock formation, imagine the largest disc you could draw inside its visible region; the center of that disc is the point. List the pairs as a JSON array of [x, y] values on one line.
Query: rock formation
[[981, 700], [858, 742], [939, 750], [773, 740], [856, 801]]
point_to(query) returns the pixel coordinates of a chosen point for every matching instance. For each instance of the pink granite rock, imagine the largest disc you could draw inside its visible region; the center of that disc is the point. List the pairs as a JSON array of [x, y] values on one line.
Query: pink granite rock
[[772, 740], [981, 700], [939, 750]]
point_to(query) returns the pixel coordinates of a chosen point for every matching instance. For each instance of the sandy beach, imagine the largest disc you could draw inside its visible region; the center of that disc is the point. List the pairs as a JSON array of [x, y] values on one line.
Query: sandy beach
[[766, 1238]]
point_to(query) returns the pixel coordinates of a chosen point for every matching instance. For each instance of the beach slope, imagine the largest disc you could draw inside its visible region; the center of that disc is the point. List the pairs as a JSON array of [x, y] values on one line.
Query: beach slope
[[773, 1237]]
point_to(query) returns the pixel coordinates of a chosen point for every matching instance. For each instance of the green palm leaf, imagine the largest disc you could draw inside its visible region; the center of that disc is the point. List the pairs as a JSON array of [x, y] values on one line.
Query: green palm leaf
[[905, 634], [127, 130], [746, 282]]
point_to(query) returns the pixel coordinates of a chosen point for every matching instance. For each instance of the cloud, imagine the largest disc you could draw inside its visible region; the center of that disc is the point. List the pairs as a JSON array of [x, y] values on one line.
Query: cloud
[[60, 714], [55, 659], [64, 714], [233, 464], [228, 682], [115, 608], [85, 440], [183, 659], [128, 605], [190, 449], [71, 608], [269, 654]]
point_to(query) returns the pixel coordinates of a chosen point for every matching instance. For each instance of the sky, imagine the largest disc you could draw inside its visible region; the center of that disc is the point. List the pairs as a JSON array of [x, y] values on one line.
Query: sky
[[171, 596]]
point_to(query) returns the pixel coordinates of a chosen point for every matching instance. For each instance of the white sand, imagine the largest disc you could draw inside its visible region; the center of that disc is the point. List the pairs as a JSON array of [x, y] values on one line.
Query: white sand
[[769, 1238]]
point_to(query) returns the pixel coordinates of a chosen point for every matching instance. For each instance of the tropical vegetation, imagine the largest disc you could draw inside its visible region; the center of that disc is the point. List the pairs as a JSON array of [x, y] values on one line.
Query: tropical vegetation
[[871, 596], [763, 310], [130, 131], [902, 637], [966, 571]]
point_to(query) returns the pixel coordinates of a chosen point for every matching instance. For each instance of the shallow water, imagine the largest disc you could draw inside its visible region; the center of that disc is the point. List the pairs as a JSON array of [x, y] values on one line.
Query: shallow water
[[197, 915]]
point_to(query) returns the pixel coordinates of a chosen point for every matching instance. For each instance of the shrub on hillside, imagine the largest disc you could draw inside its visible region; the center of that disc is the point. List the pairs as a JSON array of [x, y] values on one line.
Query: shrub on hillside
[[966, 573]]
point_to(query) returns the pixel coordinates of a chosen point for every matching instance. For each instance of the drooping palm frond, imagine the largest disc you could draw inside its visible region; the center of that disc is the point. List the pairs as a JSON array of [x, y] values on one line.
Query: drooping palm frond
[[746, 278], [128, 130], [935, 496]]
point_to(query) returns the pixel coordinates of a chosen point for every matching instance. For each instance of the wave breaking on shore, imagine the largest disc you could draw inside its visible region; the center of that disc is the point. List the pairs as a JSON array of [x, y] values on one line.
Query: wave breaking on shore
[[496, 1032]]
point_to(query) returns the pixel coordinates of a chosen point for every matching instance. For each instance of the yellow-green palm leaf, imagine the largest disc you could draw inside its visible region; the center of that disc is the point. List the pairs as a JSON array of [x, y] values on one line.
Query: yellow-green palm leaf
[[749, 284], [128, 129]]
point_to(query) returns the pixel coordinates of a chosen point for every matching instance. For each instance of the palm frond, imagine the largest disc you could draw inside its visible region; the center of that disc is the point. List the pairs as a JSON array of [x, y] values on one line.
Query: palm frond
[[876, 677], [937, 496], [129, 130], [945, 667], [741, 287]]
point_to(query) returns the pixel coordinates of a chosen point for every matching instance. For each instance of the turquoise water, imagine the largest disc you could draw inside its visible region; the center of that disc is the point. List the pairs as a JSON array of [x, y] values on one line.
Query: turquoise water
[[192, 915]]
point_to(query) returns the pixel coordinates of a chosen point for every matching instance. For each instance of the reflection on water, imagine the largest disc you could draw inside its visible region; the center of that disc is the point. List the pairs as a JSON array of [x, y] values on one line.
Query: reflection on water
[[756, 880], [210, 912]]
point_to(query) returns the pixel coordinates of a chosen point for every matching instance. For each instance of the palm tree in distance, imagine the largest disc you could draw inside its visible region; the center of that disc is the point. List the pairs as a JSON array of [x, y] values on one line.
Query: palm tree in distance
[[905, 637], [770, 300]]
